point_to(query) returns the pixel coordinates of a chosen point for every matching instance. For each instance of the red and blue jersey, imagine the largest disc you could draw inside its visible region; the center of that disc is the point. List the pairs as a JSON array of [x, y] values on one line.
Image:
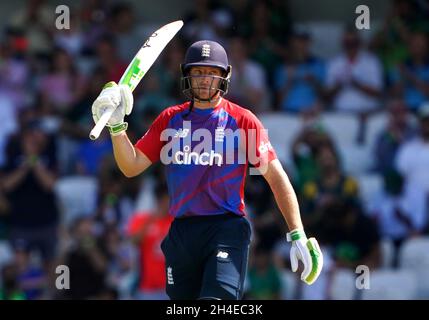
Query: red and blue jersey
[[206, 153]]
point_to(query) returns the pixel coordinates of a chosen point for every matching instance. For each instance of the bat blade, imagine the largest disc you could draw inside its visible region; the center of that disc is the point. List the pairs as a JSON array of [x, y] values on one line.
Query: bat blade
[[140, 64], [148, 53]]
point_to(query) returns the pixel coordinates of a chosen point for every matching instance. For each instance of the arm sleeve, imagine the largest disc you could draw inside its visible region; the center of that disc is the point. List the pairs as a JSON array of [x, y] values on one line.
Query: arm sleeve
[[150, 144], [258, 146]]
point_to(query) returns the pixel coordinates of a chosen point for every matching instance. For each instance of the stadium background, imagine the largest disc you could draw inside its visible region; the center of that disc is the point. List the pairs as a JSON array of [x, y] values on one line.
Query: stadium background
[[347, 131]]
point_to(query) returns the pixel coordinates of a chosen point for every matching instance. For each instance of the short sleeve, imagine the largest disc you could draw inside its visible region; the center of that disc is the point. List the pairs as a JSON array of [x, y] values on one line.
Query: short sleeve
[[150, 144], [258, 146]]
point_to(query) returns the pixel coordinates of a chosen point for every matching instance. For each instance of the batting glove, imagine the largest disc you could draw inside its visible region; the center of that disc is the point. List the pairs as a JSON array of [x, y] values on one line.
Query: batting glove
[[118, 97], [308, 251]]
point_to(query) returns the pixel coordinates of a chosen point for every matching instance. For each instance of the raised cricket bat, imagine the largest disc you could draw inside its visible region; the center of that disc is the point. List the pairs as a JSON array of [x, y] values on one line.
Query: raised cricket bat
[[140, 64]]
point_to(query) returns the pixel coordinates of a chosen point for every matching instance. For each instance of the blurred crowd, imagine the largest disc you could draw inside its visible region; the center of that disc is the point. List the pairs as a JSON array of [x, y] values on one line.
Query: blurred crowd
[[64, 202]]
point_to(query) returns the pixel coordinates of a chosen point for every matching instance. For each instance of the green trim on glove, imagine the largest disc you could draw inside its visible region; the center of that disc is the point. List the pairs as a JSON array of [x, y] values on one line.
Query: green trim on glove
[[295, 235], [117, 129], [315, 256], [110, 84]]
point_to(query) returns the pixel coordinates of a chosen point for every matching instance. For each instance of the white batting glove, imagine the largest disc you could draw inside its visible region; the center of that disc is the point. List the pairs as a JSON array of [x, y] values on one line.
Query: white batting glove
[[117, 97], [308, 251]]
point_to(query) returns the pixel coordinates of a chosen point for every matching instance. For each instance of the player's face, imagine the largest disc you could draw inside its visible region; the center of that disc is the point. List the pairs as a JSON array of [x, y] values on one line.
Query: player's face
[[205, 81]]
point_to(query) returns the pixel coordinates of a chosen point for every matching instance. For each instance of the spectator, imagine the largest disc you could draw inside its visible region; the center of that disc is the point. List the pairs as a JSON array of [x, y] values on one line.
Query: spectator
[[280, 19], [299, 80], [37, 19], [107, 58], [399, 214], [248, 81], [412, 160], [86, 261], [31, 277], [397, 131], [353, 238], [127, 36], [355, 77], [332, 185], [305, 149], [263, 279], [77, 122], [90, 154], [410, 79], [199, 22], [153, 99], [262, 46], [121, 266], [8, 114], [93, 15], [267, 226], [62, 86], [167, 71], [71, 40], [402, 20], [148, 230], [14, 69], [115, 204], [10, 287], [28, 182]]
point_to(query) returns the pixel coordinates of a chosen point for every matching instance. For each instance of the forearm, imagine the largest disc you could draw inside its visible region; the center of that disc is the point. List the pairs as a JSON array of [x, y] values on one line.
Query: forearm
[[284, 194], [371, 91], [46, 178], [287, 202], [126, 156], [12, 180]]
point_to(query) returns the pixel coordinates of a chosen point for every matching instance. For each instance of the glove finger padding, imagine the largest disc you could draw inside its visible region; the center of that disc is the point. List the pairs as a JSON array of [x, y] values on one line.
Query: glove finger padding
[[108, 98], [294, 258], [305, 257], [127, 99], [316, 261], [100, 106]]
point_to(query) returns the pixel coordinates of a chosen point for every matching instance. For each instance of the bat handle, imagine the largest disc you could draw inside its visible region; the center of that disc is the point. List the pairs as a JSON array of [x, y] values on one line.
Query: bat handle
[[95, 132]]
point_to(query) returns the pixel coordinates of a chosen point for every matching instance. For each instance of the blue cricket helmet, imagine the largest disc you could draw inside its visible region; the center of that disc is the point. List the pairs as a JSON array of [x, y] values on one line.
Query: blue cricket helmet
[[206, 53], [209, 54]]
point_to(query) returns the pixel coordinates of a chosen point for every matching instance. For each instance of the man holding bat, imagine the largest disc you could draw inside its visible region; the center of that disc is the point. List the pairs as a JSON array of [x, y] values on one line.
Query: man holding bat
[[206, 145]]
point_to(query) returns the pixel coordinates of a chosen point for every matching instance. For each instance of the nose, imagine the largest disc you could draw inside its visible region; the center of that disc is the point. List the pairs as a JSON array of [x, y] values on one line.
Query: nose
[[205, 78], [205, 81]]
